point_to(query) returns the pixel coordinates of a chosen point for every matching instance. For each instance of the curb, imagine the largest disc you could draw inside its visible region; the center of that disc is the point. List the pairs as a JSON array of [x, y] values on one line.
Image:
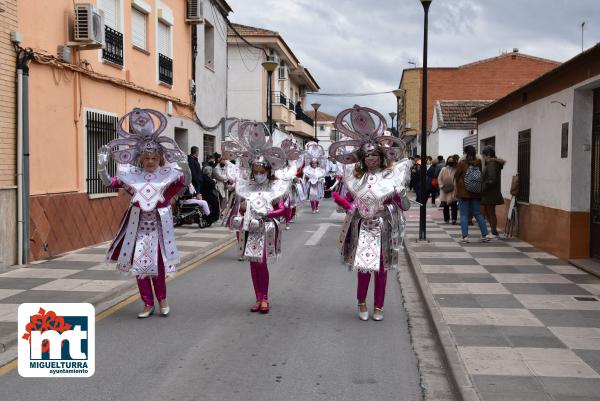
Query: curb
[[106, 300], [460, 379]]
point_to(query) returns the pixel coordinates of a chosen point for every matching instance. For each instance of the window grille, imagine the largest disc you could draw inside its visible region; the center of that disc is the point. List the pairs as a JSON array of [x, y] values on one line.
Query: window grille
[[523, 165], [100, 129]]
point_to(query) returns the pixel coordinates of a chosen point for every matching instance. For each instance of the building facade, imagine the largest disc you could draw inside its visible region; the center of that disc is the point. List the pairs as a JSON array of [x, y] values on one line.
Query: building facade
[[247, 84], [326, 131], [549, 132], [8, 135], [77, 97], [490, 78]]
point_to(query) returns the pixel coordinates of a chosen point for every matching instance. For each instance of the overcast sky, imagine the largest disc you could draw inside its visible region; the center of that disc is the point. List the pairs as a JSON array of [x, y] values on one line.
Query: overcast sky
[[361, 46]]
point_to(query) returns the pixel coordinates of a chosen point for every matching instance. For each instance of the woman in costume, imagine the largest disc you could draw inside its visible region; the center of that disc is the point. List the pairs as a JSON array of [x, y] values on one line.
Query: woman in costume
[[261, 202], [145, 243], [375, 181], [294, 195], [314, 174]]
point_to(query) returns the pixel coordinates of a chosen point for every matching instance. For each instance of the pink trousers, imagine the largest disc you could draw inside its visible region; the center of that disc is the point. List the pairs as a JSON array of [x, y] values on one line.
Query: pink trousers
[[314, 205], [260, 279], [363, 287], [160, 285]]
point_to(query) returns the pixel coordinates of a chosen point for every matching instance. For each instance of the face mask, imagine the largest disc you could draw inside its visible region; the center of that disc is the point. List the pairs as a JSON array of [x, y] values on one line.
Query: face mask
[[260, 178], [452, 164]]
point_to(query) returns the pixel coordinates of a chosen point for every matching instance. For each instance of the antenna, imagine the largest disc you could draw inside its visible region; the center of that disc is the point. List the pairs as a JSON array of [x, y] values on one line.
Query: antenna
[[582, 26]]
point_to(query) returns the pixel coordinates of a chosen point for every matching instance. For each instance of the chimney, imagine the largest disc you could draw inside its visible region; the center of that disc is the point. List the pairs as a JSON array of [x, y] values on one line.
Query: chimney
[[515, 49]]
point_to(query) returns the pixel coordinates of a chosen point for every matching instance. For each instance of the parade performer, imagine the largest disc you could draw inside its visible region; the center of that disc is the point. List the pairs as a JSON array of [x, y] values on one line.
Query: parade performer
[[295, 194], [261, 202], [314, 174], [376, 181], [145, 243]]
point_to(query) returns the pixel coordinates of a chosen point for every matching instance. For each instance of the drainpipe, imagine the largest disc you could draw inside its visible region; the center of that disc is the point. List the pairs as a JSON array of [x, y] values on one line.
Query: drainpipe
[[23, 57]]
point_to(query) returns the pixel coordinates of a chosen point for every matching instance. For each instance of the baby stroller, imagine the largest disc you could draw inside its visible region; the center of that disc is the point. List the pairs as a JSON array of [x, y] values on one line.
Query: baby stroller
[[188, 214]]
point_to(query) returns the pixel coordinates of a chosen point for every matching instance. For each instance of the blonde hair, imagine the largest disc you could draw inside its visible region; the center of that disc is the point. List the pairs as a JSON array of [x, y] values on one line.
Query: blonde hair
[[140, 159]]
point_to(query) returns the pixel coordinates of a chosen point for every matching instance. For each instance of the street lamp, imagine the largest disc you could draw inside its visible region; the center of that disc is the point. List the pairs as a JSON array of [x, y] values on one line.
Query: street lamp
[[316, 107], [392, 115], [423, 214], [270, 67], [398, 93]]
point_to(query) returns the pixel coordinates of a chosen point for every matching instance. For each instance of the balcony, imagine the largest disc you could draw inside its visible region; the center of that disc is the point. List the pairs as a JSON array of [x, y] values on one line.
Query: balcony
[[165, 69], [304, 125], [113, 48], [281, 114]]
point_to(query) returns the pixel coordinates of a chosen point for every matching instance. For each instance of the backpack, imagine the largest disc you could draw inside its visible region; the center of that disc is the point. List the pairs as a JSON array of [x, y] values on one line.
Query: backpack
[[473, 179]]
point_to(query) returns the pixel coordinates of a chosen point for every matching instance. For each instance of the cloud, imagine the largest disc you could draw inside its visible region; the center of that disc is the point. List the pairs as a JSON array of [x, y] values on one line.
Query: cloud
[[361, 46]]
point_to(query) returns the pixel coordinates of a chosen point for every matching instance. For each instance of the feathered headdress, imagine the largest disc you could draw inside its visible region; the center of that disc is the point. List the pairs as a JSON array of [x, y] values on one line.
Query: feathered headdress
[[366, 128], [248, 141], [143, 136], [291, 149], [314, 152]]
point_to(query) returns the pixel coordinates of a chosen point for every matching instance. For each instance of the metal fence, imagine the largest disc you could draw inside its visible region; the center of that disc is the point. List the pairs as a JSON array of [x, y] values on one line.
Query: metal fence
[[113, 47], [100, 129]]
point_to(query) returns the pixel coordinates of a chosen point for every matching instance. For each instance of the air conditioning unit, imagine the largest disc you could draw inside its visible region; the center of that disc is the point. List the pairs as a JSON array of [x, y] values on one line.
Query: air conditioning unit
[[89, 25], [195, 12]]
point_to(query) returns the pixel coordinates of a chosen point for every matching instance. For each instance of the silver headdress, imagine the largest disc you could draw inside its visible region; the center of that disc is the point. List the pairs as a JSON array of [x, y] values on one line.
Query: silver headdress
[[315, 153], [248, 141], [143, 136], [366, 128], [291, 149]]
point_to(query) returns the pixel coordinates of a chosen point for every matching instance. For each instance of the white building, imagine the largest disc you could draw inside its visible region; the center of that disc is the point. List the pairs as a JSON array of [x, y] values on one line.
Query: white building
[[326, 131], [549, 133], [247, 81]]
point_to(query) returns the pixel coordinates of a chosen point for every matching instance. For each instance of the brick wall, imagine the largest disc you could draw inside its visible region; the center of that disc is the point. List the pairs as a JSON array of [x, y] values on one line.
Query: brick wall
[[8, 143], [484, 80]]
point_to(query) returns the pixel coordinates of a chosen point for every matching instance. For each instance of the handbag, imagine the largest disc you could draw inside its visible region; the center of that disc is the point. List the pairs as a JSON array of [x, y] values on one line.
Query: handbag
[[435, 183], [448, 185]]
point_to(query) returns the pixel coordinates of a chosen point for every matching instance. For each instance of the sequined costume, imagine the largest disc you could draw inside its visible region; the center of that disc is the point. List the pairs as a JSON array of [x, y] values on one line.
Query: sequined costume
[[314, 176]]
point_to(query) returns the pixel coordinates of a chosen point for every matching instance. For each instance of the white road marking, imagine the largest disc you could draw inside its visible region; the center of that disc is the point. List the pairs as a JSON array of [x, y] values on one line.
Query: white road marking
[[316, 237]]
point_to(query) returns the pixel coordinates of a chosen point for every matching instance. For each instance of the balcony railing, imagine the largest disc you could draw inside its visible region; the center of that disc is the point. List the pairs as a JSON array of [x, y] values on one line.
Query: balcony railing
[[280, 98], [165, 69], [301, 116], [291, 106], [113, 47]]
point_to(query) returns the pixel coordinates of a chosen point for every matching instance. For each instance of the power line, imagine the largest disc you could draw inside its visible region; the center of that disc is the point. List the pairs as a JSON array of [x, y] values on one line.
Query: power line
[[349, 94]]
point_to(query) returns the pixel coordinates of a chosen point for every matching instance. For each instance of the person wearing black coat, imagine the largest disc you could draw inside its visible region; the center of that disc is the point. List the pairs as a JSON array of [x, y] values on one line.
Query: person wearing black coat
[[210, 195], [195, 169]]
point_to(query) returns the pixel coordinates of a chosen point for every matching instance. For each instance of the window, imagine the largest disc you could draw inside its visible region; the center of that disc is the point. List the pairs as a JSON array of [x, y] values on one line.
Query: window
[[209, 46], [100, 129], [321, 127], [164, 39], [138, 29], [113, 38], [564, 141], [523, 165], [491, 141], [165, 62], [209, 145], [282, 70]]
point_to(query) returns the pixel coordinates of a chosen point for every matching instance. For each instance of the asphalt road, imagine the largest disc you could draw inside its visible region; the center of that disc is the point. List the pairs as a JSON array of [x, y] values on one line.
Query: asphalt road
[[312, 346]]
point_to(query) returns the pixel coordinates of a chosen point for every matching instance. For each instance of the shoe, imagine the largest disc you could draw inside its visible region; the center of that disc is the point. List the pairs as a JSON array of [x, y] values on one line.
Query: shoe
[[287, 227], [378, 314], [453, 222], [264, 309], [255, 307], [314, 211], [465, 240], [164, 311], [363, 315], [241, 259], [446, 221], [146, 313], [485, 238], [317, 210], [496, 237]]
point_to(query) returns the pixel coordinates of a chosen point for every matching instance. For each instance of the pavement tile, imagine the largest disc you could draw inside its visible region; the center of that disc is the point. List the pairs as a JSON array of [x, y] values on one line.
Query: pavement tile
[[468, 288], [7, 329], [531, 278], [453, 261], [6, 293], [584, 338], [64, 264], [539, 255], [34, 272], [591, 357], [51, 296], [485, 249], [556, 302], [79, 257], [591, 288], [567, 318], [566, 269], [519, 269], [22, 283], [466, 269], [108, 273], [544, 288], [582, 279], [508, 384], [441, 255], [501, 261], [489, 316], [8, 312], [66, 284], [558, 368], [579, 387], [460, 278]]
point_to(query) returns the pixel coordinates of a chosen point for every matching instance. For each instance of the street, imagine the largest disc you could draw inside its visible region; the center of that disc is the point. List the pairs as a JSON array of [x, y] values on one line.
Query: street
[[311, 346]]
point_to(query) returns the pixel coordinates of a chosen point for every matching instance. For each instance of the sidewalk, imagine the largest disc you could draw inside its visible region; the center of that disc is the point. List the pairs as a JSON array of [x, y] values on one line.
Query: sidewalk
[[515, 323], [81, 276]]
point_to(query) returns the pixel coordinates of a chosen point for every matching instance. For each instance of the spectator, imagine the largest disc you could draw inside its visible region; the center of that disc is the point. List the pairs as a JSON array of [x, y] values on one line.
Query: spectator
[[432, 184], [220, 174], [210, 161], [195, 168], [491, 180], [209, 194], [468, 191], [447, 196]]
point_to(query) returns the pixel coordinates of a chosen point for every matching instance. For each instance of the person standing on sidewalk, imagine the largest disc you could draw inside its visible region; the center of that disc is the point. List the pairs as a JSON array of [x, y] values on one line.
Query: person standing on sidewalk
[[145, 243], [468, 191], [447, 197], [261, 203], [220, 175], [376, 181], [491, 195]]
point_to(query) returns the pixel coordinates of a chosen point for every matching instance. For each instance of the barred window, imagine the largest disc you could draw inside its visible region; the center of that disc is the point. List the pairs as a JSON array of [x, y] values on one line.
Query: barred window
[[523, 164], [100, 129], [209, 145]]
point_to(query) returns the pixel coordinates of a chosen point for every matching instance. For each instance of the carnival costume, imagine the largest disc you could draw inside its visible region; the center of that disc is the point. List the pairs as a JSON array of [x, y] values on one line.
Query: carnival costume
[[295, 194], [145, 243], [314, 177], [260, 202], [373, 231]]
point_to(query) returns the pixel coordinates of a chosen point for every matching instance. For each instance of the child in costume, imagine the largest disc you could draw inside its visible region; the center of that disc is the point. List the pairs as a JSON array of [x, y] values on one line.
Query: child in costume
[[261, 202], [145, 243], [376, 197], [314, 174]]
